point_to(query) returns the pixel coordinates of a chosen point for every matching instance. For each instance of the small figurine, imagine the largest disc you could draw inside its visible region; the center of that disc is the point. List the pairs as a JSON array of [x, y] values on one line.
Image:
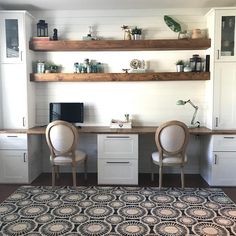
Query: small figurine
[[55, 37], [126, 70]]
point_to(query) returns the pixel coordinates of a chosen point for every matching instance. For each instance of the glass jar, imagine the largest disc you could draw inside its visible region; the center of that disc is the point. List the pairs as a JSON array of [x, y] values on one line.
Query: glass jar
[[196, 63], [40, 67]]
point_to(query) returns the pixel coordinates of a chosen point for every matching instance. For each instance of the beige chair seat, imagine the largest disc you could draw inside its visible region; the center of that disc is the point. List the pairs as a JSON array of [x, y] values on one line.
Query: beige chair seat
[[167, 159], [65, 160]]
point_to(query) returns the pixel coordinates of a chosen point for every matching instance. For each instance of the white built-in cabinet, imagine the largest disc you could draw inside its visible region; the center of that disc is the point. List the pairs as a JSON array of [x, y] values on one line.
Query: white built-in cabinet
[[225, 35], [218, 160], [12, 37], [118, 159], [19, 158], [17, 93], [224, 107], [222, 31]]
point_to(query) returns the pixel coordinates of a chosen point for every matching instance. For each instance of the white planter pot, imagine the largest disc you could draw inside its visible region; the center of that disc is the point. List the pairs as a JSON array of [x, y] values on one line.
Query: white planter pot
[[137, 36], [179, 68]]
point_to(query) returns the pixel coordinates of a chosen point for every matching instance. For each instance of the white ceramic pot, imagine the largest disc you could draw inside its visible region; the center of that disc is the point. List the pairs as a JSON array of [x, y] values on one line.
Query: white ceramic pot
[[137, 36], [179, 68]]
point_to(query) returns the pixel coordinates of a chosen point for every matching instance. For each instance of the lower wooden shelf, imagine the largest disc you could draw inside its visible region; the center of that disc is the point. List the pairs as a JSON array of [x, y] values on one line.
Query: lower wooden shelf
[[101, 77]]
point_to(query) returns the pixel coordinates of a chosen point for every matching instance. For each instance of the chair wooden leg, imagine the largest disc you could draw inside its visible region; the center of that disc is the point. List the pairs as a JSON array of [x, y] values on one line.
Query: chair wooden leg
[[74, 175], [152, 176], [85, 169], [182, 176], [160, 177], [53, 175], [152, 169], [57, 171]]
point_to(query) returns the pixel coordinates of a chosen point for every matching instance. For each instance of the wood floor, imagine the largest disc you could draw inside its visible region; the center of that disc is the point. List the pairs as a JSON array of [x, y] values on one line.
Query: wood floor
[[170, 180]]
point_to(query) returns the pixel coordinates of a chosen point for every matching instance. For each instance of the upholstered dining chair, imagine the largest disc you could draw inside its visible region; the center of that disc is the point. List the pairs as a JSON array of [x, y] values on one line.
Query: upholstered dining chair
[[62, 138], [171, 140]]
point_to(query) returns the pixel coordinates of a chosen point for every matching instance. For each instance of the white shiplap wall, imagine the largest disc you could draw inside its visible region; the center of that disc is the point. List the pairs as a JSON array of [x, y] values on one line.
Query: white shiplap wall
[[148, 103]]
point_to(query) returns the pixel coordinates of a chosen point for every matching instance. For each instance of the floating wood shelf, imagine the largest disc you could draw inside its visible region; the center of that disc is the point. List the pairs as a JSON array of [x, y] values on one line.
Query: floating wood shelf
[[101, 77], [121, 45]]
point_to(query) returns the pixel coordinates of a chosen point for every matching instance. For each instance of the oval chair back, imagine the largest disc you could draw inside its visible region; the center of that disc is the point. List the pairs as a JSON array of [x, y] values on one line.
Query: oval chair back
[[171, 140], [62, 139]]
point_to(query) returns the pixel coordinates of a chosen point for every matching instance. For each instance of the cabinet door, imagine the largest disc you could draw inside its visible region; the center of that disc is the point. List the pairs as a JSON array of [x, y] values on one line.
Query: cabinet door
[[224, 96], [12, 37], [225, 32], [118, 146], [223, 169], [13, 166], [118, 171], [118, 159], [14, 96]]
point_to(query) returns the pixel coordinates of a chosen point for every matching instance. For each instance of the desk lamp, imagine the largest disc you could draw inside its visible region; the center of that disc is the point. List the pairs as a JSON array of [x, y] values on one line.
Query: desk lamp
[[193, 124]]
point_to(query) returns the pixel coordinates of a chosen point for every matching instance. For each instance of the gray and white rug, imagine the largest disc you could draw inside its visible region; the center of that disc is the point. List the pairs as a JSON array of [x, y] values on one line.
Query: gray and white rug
[[129, 211]]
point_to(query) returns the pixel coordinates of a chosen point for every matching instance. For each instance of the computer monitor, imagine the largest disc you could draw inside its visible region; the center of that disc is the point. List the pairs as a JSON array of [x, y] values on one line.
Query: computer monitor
[[72, 112]]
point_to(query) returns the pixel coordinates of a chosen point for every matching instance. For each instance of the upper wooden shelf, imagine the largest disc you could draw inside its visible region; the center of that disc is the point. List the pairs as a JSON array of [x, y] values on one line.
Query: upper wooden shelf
[[121, 45], [101, 77]]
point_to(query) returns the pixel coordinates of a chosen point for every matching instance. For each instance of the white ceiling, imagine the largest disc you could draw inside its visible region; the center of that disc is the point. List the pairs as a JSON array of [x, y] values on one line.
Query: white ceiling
[[32, 5]]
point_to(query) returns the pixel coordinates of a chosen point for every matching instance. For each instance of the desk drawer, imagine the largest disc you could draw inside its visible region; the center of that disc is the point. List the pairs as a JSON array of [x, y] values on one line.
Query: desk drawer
[[13, 141], [118, 171], [118, 146], [225, 143]]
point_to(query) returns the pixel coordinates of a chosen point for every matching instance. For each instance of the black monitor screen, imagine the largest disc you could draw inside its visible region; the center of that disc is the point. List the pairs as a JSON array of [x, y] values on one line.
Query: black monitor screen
[[70, 112]]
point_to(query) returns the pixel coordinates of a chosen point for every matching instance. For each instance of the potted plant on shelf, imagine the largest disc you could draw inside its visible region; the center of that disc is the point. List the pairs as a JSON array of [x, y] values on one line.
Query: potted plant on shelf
[[51, 67], [136, 32], [180, 66]]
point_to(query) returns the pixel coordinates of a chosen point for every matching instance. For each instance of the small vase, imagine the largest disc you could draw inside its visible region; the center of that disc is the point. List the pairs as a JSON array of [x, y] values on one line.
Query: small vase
[[197, 34], [180, 68], [127, 35], [137, 36]]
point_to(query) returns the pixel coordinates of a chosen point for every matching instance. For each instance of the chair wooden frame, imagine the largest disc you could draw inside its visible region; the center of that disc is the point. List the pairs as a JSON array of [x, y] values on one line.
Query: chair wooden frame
[[163, 153], [69, 153]]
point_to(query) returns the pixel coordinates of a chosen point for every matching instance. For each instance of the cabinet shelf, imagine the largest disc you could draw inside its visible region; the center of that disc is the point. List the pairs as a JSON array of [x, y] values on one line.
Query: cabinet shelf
[[120, 45], [101, 77]]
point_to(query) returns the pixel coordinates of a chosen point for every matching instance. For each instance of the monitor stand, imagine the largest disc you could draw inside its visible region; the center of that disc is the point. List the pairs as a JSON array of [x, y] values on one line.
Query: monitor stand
[[76, 125]]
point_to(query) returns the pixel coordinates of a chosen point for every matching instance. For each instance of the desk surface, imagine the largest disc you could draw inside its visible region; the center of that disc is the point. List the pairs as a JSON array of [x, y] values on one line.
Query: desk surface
[[108, 130]]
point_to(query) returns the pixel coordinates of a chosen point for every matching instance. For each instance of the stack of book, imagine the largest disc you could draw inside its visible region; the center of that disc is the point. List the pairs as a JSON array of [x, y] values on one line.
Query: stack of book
[[40, 38], [118, 124]]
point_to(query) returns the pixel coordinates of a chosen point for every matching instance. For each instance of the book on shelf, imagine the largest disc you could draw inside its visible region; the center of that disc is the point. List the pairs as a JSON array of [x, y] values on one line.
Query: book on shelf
[[40, 38]]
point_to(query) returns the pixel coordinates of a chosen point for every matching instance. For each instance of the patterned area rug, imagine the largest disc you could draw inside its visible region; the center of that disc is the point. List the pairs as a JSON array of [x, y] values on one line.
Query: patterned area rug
[[135, 211]]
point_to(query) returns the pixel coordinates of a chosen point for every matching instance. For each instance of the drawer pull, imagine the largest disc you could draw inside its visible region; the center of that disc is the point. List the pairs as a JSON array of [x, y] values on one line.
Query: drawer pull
[[216, 121], [117, 137], [23, 121], [24, 157], [215, 159], [229, 137], [12, 136], [118, 162], [218, 54]]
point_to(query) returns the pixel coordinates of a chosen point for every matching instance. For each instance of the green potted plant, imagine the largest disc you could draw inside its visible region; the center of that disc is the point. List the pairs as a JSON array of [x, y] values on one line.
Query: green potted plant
[[51, 67], [136, 32], [180, 66]]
